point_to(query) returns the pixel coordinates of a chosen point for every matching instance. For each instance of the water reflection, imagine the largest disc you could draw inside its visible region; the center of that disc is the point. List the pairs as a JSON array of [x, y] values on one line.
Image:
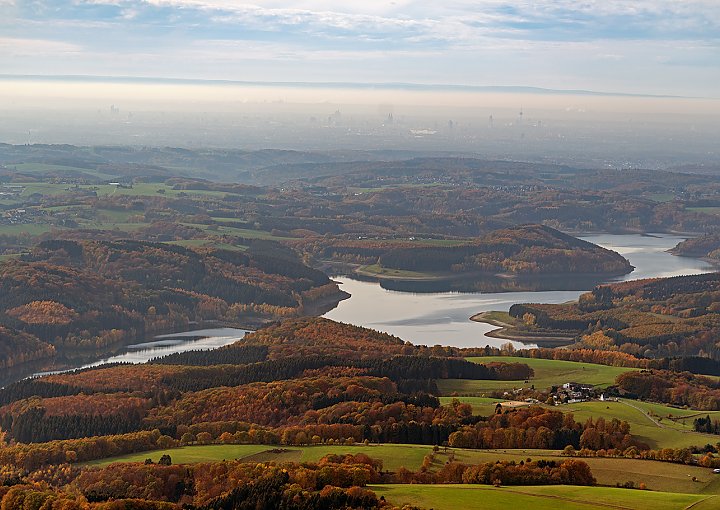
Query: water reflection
[[419, 316], [492, 283], [198, 340], [442, 317]]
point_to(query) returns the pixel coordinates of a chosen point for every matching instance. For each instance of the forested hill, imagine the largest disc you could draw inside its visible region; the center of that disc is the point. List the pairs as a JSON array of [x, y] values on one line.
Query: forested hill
[[678, 316], [96, 294], [528, 249], [268, 397], [707, 246]]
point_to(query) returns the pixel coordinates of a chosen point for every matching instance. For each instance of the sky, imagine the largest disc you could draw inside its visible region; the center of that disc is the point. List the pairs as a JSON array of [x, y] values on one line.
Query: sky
[[630, 46]]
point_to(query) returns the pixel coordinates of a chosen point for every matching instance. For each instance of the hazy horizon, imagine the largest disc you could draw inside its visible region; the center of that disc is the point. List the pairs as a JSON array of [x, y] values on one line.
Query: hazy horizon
[[603, 83], [573, 128]]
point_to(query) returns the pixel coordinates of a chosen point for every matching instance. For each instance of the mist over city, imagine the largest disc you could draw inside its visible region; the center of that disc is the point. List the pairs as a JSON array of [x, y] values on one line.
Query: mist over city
[[579, 127]]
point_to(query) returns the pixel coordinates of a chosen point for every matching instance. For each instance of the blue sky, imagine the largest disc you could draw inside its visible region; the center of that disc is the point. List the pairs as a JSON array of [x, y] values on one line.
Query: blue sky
[[640, 46]]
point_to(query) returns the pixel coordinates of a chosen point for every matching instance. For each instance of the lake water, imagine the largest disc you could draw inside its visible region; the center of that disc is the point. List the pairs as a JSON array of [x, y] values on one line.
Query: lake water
[[443, 317], [162, 345], [422, 318]]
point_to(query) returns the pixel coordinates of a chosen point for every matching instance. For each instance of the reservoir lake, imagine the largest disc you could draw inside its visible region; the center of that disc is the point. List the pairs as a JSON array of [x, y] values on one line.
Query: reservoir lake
[[427, 318], [443, 317]]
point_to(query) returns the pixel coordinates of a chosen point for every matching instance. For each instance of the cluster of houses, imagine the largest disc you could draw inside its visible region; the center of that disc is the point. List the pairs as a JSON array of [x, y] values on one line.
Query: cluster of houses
[[572, 393], [11, 190], [568, 393], [15, 217]]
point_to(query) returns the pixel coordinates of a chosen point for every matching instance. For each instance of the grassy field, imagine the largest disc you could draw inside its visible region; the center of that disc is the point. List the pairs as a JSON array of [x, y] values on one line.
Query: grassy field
[[111, 219], [111, 225], [43, 168], [680, 419], [378, 270], [661, 197], [393, 456], [657, 476], [547, 373], [483, 497], [495, 316], [28, 228], [190, 454], [114, 215], [234, 231], [657, 425], [706, 210], [663, 434], [207, 243], [138, 189], [607, 471], [657, 430]]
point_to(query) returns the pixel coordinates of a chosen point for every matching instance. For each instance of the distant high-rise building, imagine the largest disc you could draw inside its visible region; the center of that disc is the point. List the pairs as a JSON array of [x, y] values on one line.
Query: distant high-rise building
[[490, 122], [335, 118]]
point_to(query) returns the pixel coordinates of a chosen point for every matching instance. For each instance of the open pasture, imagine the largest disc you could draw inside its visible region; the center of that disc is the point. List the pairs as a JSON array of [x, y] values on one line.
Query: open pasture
[[547, 373], [484, 497], [608, 471]]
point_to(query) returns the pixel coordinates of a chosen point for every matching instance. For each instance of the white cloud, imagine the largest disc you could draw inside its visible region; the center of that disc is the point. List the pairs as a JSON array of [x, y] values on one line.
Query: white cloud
[[455, 21], [571, 43], [20, 47], [422, 9], [241, 50]]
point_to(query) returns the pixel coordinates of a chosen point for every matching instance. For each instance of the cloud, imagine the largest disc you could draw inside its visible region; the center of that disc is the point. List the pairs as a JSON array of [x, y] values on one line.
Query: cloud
[[452, 22], [19, 47], [584, 18], [528, 42], [236, 51]]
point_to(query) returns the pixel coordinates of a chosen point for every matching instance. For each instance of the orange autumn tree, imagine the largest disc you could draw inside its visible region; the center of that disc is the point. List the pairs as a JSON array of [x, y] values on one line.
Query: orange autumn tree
[[44, 312]]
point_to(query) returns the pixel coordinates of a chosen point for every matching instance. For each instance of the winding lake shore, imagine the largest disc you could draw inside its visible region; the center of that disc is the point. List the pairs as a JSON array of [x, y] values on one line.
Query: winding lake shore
[[420, 316], [425, 315], [510, 331]]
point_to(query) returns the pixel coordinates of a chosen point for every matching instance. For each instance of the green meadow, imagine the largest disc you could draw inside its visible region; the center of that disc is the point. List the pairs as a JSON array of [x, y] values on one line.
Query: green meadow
[[608, 471], [655, 424], [393, 456], [547, 373], [483, 497]]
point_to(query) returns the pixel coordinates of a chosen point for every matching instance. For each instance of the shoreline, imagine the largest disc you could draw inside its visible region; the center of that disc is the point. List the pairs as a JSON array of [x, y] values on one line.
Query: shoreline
[[448, 277], [507, 331], [67, 359]]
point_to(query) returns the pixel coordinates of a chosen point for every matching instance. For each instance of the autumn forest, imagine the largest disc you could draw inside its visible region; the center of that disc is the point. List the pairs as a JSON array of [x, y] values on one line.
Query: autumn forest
[[305, 412]]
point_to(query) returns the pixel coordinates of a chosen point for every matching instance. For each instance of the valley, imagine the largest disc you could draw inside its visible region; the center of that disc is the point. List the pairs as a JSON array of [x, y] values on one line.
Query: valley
[[318, 333]]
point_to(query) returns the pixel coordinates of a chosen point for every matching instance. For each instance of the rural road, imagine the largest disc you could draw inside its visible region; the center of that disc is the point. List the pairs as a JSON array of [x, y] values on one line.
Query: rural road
[[652, 419]]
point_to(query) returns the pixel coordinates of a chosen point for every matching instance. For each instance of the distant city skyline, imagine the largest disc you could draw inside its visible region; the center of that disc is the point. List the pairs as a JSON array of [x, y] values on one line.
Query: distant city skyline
[[658, 47]]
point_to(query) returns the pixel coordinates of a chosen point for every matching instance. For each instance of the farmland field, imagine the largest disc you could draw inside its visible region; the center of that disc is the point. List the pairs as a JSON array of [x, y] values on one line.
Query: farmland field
[[470, 497], [664, 428], [665, 434], [393, 456], [547, 373], [608, 471]]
